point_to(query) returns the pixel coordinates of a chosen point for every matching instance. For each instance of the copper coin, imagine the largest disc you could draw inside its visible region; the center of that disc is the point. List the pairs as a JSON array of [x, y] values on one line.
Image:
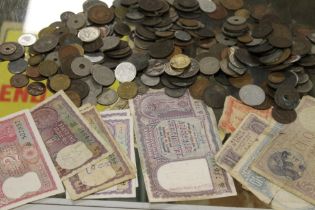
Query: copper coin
[[7, 48], [19, 80], [220, 13], [198, 88], [232, 4], [36, 59], [241, 81], [100, 14], [32, 72], [74, 97], [127, 90], [284, 116], [276, 77], [59, 82], [36, 88], [48, 68]]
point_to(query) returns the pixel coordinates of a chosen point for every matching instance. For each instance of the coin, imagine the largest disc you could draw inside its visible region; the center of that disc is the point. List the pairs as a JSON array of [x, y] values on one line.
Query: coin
[[27, 40], [170, 71], [74, 97], [236, 20], [11, 51], [192, 70], [122, 29], [305, 88], [19, 80], [276, 77], [287, 97], [36, 88], [139, 60], [7, 48], [17, 66], [209, 65], [252, 95], [268, 103], [150, 81], [127, 90], [232, 4], [214, 96], [161, 49], [89, 34], [156, 67], [150, 6], [103, 75], [175, 93], [80, 87], [100, 14], [76, 21], [125, 72], [32, 72], [46, 43], [180, 62], [283, 116], [207, 5], [81, 66], [107, 97], [48, 68], [110, 43], [198, 88], [239, 82], [182, 36], [142, 88], [59, 82]]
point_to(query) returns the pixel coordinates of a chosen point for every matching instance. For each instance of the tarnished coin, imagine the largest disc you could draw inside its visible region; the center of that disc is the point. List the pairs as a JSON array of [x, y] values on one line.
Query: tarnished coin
[[170, 71], [76, 21], [150, 6], [283, 116], [100, 14], [125, 72], [305, 88], [103, 75], [36, 88], [150, 81], [27, 40], [80, 87], [214, 96], [59, 82], [236, 20], [96, 57], [11, 51], [161, 49], [74, 97], [19, 80], [252, 95], [94, 87], [239, 82], [182, 36], [142, 88], [207, 6], [127, 90], [209, 65], [122, 29], [175, 93], [198, 88], [110, 43], [232, 4], [107, 97], [46, 43], [156, 67], [192, 70], [53, 56], [32, 72], [276, 77], [17, 66], [268, 103], [287, 97], [48, 68], [139, 60], [81, 66], [7, 48], [89, 34], [222, 39], [180, 62]]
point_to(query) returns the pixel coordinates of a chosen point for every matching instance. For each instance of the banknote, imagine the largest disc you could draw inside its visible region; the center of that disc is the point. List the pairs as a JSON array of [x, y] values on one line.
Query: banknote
[[177, 140], [115, 113], [27, 172], [288, 160], [265, 190], [106, 173], [70, 141], [235, 111], [240, 141], [122, 130]]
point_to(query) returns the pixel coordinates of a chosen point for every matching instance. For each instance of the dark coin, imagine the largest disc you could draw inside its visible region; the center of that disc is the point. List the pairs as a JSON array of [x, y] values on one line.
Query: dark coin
[[18, 53], [161, 49], [182, 36], [93, 46], [144, 33], [214, 96], [280, 41], [76, 21], [46, 43], [7, 48], [276, 77], [268, 103], [175, 93], [100, 14], [156, 67], [80, 87], [305, 88], [17, 66], [192, 70], [284, 116], [32, 72], [36, 88], [110, 43], [141, 61], [103, 75], [142, 88], [246, 58], [122, 29], [165, 80], [301, 46], [19, 80], [36, 59], [179, 82], [307, 61], [48, 68], [287, 97], [262, 30], [66, 15], [198, 88], [150, 6], [74, 97], [128, 3]]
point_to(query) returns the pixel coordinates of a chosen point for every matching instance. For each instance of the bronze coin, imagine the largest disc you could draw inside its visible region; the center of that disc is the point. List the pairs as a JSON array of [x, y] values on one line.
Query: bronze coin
[[246, 38], [74, 97], [287, 97], [100, 14], [36, 88], [127, 90], [276, 77], [284, 116], [36, 59], [198, 88], [48, 68], [220, 13], [7, 48], [32, 72], [59, 82], [19, 80], [268, 103], [232, 4], [241, 81]]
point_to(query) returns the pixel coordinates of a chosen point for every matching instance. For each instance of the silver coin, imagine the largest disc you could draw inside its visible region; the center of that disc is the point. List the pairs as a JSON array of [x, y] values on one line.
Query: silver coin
[[107, 97], [81, 66], [192, 70], [225, 68], [209, 65], [110, 43], [225, 40], [97, 57], [236, 20], [175, 93], [170, 71], [207, 6], [103, 75], [156, 67], [89, 34], [252, 95], [125, 72], [149, 81], [17, 66], [27, 40]]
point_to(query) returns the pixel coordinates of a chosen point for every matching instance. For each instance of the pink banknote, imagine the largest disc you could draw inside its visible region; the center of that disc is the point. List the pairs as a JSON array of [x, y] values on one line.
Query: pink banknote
[[26, 170]]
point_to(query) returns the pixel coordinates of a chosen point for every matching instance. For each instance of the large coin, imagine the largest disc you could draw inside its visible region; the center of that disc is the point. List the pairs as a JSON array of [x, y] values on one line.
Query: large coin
[[103, 75], [46, 43], [59, 82], [107, 97], [161, 49], [100, 14], [127, 90], [125, 72], [209, 65], [252, 95], [110, 43], [36, 88], [198, 88]]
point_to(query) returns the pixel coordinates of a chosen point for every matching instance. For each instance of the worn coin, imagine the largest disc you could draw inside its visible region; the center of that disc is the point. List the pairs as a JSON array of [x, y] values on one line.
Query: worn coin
[[214, 96], [170, 71], [96, 57], [107, 97], [122, 29], [232, 4], [156, 67], [284, 116], [175, 93], [89, 34], [53, 56], [225, 68], [305, 88], [209, 65], [7, 48], [103, 75], [19, 80], [198, 88], [182, 36], [276, 77], [48, 68], [32, 72], [81, 66], [239, 82], [192, 70], [59, 82], [268, 103], [150, 81], [287, 97], [139, 60], [207, 6], [236, 20], [127, 90], [100, 14], [180, 62], [142, 88], [76, 21], [110, 43], [74, 97], [11, 51], [125, 72], [252, 95], [161, 49], [150, 6], [17, 66], [27, 40], [80, 87], [94, 87], [36, 88], [46, 43]]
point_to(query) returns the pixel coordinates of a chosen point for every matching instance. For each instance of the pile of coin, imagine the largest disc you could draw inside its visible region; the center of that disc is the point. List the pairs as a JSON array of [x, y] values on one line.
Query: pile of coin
[[213, 48]]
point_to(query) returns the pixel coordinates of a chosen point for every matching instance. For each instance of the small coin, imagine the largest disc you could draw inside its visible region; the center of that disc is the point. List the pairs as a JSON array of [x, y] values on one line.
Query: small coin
[[19, 80], [252, 95], [150, 81], [180, 62], [209, 65], [7, 48], [74, 97], [36, 88], [127, 90], [48, 68], [236, 20], [198, 88], [81, 66], [284, 116], [27, 40], [125, 72], [156, 67], [175, 93], [103, 75], [214, 96], [17, 66], [107, 97], [59, 82], [89, 34], [287, 97]]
